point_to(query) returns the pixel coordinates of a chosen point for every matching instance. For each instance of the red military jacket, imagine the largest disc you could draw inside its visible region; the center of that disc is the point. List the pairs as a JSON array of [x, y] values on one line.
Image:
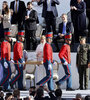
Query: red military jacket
[[47, 53], [18, 50], [65, 54], [5, 50]]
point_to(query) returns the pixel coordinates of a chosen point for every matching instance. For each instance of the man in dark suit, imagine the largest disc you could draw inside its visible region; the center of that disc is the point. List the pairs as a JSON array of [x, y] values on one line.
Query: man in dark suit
[[30, 27], [88, 11], [19, 9], [64, 27], [49, 13]]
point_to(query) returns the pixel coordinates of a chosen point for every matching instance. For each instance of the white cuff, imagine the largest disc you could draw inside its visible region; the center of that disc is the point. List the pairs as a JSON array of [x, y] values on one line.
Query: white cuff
[[49, 67], [5, 64], [23, 62], [65, 63], [12, 61], [54, 64]]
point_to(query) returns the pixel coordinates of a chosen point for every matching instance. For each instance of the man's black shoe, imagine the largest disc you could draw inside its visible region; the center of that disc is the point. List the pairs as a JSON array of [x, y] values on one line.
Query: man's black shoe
[[8, 90], [1, 88], [70, 89], [58, 84]]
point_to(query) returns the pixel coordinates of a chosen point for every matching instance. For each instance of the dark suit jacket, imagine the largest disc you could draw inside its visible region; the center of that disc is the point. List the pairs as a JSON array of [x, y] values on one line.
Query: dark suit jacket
[[80, 16], [68, 27], [31, 23], [72, 3], [87, 4], [18, 18], [53, 4]]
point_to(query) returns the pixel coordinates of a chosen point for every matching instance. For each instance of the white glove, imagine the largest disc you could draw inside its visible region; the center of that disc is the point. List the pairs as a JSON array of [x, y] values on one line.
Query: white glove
[[54, 64], [65, 63], [23, 62], [12, 61], [5, 64], [49, 67]]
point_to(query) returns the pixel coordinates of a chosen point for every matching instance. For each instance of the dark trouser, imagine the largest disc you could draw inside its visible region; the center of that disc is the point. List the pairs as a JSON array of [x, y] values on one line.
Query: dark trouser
[[83, 72], [56, 42], [30, 39], [48, 79], [50, 22], [1, 31], [67, 77], [88, 15], [19, 75], [6, 75]]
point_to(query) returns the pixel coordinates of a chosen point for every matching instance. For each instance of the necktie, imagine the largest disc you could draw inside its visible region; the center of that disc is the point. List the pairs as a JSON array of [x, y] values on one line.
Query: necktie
[[64, 28], [16, 7]]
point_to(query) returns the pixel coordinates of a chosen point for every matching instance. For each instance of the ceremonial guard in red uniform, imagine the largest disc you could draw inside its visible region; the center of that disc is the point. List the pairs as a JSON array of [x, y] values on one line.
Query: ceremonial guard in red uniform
[[65, 58], [18, 55], [48, 60], [5, 60]]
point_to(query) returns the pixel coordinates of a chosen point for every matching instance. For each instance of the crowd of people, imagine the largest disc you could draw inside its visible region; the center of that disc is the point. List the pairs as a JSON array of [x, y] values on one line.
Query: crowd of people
[[26, 20], [38, 94]]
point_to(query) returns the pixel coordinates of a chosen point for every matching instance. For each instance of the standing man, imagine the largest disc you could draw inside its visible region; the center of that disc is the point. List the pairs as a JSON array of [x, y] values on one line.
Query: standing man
[[5, 60], [48, 60], [83, 62], [19, 9], [88, 11], [49, 13], [18, 55], [30, 27], [65, 58]]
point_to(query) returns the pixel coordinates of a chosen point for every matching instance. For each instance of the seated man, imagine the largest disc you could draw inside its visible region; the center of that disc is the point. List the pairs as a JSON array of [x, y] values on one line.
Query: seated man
[[64, 27]]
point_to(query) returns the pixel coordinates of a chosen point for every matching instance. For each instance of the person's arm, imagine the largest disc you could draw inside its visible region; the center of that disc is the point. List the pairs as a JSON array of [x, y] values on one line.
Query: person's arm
[[34, 18], [19, 49], [61, 54], [77, 56], [52, 96], [3, 50], [81, 10], [24, 7], [56, 2], [40, 2], [77, 60], [11, 5], [25, 57], [47, 53], [89, 57]]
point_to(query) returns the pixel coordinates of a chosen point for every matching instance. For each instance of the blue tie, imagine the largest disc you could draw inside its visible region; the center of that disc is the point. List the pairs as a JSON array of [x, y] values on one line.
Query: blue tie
[[64, 28]]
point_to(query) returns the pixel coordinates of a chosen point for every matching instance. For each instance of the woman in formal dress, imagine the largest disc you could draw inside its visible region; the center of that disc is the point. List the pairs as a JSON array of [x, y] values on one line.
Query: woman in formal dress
[[40, 71], [79, 9], [6, 16]]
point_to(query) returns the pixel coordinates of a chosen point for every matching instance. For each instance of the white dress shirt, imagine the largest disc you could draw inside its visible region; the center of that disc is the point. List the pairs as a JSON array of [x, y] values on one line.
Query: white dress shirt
[[49, 5], [28, 12]]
